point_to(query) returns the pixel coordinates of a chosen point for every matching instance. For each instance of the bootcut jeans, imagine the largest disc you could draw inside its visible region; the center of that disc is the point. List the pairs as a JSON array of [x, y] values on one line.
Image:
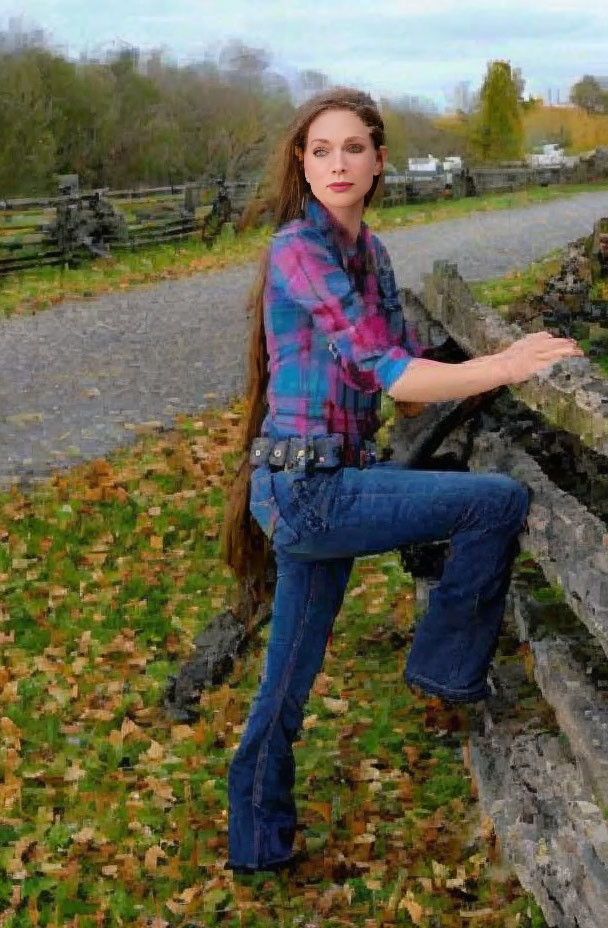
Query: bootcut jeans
[[318, 524]]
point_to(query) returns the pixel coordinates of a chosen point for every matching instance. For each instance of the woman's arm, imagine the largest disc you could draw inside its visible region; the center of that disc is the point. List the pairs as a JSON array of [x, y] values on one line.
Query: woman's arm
[[427, 381]]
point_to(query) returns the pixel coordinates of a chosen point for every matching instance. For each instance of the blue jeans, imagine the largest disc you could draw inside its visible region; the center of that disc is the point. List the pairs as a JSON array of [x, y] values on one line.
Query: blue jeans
[[318, 524]]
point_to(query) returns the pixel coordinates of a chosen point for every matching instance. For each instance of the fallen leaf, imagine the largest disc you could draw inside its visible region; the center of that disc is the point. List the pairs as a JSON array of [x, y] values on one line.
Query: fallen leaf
[[152, 856], [335, 705]]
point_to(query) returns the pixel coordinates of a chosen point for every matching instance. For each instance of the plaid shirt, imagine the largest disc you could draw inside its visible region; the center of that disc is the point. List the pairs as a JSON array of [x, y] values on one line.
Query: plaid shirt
[[335, 331]]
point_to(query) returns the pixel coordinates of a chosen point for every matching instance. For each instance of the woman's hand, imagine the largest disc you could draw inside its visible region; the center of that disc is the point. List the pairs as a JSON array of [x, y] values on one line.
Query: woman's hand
[[535, 352]]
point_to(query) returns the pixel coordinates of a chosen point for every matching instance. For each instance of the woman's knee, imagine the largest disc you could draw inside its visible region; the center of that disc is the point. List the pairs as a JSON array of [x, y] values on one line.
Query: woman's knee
[[513, 500], [499, 503]]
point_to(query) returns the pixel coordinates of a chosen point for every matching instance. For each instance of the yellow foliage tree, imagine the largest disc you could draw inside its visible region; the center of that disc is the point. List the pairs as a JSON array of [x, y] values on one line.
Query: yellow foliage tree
[[572, 127]]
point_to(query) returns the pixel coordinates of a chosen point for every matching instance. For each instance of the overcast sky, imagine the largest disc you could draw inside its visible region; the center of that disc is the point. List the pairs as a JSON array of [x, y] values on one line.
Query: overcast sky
[[389, 47]]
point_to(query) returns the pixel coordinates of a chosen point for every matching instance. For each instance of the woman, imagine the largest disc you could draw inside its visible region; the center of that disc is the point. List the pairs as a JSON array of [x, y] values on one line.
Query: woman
[[328, 335]]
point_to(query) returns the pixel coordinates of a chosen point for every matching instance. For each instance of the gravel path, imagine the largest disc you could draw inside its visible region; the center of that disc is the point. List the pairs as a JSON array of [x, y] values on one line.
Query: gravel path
[[76, 379]]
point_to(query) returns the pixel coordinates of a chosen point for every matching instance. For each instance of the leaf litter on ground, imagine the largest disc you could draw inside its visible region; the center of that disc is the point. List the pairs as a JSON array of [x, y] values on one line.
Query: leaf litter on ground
[[112, 814]]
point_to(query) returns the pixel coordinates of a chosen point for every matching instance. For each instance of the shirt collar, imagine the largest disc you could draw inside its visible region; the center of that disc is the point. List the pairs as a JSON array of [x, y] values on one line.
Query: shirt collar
[[323, 220]]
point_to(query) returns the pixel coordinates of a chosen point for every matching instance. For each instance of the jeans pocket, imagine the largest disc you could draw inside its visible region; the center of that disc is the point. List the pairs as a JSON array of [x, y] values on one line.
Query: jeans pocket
[[265, 510], [306, 501]]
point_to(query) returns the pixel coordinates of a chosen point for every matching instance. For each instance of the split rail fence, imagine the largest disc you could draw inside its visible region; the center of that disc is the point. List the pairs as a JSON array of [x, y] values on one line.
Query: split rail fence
[[538, 751], [67, 229]]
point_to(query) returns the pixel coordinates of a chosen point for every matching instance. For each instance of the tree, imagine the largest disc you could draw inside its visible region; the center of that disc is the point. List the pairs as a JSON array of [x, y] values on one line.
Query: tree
[[588, 94], [496, 128], [131, 118], [28, 150]]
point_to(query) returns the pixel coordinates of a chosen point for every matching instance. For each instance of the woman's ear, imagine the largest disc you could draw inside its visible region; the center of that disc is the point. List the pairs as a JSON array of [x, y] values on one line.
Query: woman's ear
[[381, 156]]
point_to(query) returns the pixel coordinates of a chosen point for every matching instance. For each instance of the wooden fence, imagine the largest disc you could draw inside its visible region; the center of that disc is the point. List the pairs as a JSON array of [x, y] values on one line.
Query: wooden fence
[[477, 180], [67, 229]]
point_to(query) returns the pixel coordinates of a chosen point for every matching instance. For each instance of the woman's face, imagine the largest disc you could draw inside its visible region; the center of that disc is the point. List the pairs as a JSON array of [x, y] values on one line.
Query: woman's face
[[340, 150]]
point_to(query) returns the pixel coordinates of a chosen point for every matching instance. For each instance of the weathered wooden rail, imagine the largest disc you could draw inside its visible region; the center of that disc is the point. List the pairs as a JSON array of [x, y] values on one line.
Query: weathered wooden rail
[[74, 227], [538, 751]]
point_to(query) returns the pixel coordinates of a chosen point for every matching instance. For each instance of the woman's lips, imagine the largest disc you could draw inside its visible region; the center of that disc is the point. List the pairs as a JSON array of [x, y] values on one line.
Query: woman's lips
[[339, 186]]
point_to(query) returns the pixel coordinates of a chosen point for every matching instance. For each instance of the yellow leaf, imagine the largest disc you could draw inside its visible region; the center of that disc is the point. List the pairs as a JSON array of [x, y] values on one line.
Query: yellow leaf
[[129, 727], [161, 789], [335, 705], [440, 871], [74, 773], [49, 866], [8, 728], [155, 751], [156, 542], [78, 665], [188, 894], [478, 913], [115, 738], [356, 591], [373, 884], [414, 909], [181, 732], [153, 855], [323, 808]]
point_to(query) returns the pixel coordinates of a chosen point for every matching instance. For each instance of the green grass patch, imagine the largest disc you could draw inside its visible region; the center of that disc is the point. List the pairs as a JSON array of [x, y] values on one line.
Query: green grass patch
[[517, 285]]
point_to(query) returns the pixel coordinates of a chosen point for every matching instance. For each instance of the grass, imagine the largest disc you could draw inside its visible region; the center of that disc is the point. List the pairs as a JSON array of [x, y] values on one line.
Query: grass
[[112, 814], [599, 290], [517, 285], [36, 290]]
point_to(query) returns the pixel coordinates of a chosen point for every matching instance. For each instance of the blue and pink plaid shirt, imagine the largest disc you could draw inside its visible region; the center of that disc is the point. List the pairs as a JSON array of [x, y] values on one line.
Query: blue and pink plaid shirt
[[335, 330]]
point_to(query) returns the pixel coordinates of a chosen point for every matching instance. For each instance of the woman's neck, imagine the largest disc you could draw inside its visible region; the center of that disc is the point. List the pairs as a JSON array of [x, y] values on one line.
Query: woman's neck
[[349, 218]]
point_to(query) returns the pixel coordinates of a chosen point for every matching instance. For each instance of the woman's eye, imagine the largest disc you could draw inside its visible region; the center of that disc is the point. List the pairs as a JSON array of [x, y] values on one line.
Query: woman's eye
[[356, 147]]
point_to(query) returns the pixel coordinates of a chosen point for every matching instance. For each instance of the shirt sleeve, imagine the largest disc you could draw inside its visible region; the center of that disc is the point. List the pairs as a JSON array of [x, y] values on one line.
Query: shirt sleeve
[[403, 331], [359, 340]]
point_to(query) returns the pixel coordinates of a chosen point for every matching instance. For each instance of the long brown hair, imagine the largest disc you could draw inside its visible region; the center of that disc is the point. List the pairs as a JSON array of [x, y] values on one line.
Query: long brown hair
[[244, 546]]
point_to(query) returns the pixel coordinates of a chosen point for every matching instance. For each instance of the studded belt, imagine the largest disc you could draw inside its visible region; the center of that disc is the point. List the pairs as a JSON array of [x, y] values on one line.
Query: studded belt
[[322, 452]]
